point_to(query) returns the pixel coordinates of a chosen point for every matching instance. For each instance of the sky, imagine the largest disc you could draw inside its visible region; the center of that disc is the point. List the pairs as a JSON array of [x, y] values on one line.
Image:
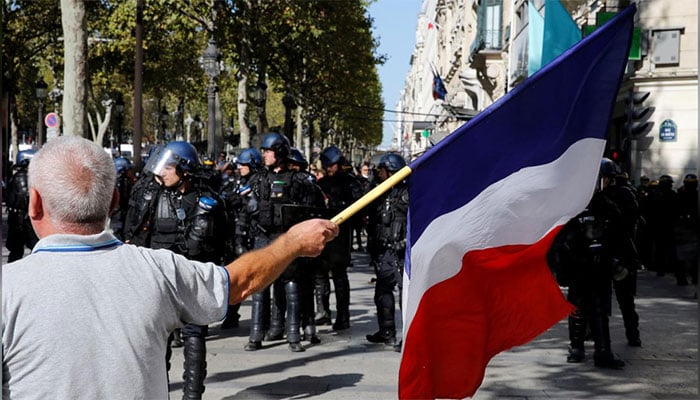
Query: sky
[[395, 28]]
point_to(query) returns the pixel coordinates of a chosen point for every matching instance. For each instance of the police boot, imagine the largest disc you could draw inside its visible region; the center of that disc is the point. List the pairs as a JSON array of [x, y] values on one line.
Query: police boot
[[387, 327], [342, 297], [322, 293], [603, 356], [276, 331], [577, 336], [310, 334], [257, 327], [291, 289], [195, 368], [386, 336]]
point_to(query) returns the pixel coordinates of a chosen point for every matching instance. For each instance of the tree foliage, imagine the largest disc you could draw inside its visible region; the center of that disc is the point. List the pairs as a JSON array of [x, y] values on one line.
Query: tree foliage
[[321, 54]]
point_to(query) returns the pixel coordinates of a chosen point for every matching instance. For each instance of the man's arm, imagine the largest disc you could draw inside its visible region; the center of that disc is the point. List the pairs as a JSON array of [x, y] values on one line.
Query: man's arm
[[258, 268]]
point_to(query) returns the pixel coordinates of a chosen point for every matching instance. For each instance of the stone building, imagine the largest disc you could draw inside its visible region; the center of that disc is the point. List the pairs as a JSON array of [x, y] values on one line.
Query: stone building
[[479, 49]]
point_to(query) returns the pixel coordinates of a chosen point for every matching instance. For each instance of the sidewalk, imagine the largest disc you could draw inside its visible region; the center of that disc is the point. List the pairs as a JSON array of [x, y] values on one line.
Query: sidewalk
[[346, 366]]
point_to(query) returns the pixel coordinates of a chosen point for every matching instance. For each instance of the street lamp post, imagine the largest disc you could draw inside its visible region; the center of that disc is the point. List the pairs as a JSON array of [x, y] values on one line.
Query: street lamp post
[[210, 65], [41, 89], [56, 95], [119, 109]]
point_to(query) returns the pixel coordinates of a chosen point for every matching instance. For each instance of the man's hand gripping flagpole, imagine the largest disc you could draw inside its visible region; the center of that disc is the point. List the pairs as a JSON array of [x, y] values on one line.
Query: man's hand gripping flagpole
[[380, 189]]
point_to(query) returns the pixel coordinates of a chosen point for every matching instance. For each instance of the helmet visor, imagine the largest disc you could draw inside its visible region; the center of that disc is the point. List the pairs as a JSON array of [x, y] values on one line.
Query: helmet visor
[[160, 160]]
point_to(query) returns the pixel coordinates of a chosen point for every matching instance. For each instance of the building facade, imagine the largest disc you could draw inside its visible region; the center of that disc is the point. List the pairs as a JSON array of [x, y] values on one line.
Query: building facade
[[479, 48]]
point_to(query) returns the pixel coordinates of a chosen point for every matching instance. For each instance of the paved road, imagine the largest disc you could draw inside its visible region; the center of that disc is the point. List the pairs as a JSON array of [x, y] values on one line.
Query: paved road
[[345, 366]]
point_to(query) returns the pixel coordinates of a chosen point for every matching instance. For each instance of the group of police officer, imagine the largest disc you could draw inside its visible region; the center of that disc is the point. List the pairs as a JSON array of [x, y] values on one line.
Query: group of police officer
[[180, 204], [190, 208], [596, 253]]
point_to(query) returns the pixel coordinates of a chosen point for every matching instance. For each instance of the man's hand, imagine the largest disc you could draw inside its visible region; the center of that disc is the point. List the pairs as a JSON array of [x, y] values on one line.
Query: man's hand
[[310, 236]]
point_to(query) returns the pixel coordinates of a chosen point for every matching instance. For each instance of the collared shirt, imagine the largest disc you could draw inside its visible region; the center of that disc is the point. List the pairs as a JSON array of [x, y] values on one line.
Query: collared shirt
[[88, 317]]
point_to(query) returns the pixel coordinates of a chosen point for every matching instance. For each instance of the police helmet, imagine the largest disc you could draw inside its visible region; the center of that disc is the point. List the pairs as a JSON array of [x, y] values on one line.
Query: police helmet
[[23, 157], [392, 162], [296, 157], [181, 154], [331, 155], [690, 178], [278, 143], [608, 168], [250, 157], [665, 178], [122, 164]]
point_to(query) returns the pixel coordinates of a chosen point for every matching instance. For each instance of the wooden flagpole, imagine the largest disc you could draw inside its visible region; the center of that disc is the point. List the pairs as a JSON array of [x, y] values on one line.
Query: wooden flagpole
[[363, 201]]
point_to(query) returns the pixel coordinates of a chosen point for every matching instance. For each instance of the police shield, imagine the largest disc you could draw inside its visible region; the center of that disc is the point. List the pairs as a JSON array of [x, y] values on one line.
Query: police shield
[[293, 214]]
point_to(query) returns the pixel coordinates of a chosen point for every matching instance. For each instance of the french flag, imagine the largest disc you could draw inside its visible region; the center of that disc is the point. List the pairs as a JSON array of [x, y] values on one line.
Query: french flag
[[485, 205]]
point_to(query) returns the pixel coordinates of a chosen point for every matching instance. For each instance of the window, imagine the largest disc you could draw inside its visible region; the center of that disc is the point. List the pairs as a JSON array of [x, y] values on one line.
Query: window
[[491, 24]]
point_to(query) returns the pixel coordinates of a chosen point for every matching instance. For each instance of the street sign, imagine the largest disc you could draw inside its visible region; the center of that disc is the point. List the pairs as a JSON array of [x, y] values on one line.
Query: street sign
[[51, 133], [668, 131], [51, 120]]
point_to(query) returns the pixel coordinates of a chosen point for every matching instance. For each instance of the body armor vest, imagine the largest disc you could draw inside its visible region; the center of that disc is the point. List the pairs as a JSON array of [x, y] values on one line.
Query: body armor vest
[[275, 190]]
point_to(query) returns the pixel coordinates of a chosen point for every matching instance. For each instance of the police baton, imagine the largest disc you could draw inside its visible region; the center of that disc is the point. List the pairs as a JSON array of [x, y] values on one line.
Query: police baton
[[363, 201]]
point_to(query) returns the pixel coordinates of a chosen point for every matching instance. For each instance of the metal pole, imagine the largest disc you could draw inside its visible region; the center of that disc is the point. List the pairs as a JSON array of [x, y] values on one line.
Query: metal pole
[[40, 125], [211, 131]]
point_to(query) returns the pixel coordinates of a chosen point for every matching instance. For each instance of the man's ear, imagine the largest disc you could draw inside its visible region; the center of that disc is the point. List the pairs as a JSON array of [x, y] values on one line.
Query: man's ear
[[115, 201], [36, 205]]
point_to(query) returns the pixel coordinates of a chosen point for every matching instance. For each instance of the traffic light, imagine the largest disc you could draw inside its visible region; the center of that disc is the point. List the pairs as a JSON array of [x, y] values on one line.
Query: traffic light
[[616, 156], [637, 124]]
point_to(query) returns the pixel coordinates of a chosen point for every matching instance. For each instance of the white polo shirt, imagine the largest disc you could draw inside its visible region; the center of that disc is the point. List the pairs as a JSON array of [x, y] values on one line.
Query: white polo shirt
[[88, 317]]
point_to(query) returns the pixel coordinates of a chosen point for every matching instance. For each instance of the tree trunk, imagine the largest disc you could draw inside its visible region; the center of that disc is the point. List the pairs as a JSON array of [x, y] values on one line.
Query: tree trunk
[[138, 83], [243, 110], [75, 72]]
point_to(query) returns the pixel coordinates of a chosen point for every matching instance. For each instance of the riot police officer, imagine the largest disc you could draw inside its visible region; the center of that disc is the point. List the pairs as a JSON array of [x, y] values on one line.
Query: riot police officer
[[616, 186], [588, 254], [125, 183], [391, 209], [235, 192], [298, 163], [341, 189], [19, 229], [275, 187], [688, 230], [179, 214]]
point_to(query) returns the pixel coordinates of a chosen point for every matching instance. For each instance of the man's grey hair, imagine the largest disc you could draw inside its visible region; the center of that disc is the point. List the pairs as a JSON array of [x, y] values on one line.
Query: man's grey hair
[[75, 178]]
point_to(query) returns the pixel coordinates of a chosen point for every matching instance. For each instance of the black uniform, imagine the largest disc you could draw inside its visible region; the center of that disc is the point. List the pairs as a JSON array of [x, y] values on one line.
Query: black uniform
[[587, 251], [124, 186], [663, 220], [236, 193], [19, 229], [625, 197], [187, 223], [271, 190], [391, 211], [688, 230], [341, 190]]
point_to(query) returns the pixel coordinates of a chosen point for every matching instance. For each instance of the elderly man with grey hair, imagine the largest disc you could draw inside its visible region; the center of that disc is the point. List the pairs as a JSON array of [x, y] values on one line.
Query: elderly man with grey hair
[[87, 316]]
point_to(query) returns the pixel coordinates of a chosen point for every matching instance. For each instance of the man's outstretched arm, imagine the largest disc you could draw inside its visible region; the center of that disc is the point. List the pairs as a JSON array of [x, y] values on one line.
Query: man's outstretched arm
[[258, 268]]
